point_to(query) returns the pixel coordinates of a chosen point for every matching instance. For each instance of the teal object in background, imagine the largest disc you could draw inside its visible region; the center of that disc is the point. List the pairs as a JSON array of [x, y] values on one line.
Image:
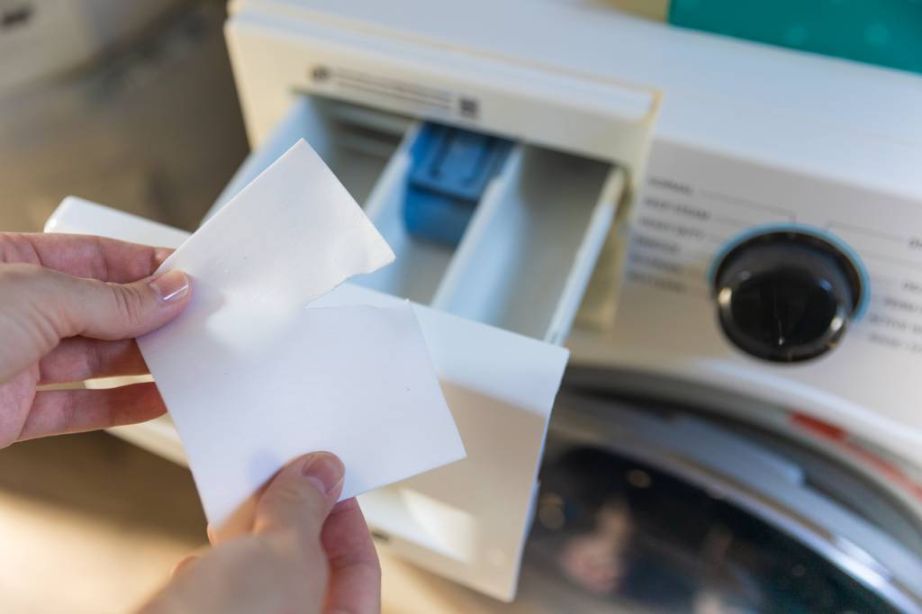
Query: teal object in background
[[883, 32]]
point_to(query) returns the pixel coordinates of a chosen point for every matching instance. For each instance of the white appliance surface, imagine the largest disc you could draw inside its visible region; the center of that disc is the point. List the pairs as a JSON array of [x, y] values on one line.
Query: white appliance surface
[[783, 107], [691, 205]]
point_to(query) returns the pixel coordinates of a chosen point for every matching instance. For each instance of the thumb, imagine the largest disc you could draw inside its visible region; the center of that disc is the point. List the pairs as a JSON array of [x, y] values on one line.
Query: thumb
[[301, 496], [108, 311], [42, 306]]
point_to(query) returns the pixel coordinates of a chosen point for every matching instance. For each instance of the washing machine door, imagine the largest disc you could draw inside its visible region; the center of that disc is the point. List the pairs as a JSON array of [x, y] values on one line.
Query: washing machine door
[[651, 506]]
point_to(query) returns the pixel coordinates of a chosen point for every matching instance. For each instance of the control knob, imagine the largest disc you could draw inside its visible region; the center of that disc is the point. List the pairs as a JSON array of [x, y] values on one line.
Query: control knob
[[787, 295]]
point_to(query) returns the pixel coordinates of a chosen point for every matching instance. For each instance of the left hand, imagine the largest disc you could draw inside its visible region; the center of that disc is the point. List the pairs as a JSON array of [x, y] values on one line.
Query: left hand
[[70, 307]]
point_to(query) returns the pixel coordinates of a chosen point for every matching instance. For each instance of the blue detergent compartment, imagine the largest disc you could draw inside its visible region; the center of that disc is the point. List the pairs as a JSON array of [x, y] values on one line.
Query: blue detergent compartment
[[451, 169], [498, 232]]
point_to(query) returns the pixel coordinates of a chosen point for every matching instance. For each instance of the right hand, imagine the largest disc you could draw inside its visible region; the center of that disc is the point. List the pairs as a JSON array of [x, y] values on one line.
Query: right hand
[[303, 554]]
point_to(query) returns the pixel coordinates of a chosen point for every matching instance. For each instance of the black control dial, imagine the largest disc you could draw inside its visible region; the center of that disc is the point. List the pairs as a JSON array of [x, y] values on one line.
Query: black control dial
[[786, 295]]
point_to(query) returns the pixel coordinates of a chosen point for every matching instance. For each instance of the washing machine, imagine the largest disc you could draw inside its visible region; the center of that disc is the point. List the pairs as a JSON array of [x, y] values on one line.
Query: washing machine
[[726, 237], [656, 496]]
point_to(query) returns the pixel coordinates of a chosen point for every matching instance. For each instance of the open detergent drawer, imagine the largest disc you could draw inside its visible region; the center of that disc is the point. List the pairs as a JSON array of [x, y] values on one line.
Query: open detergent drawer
[[494, 307]]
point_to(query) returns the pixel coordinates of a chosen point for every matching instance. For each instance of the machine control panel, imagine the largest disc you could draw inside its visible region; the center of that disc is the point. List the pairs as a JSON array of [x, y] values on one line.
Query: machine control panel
[[777, 284], [787, 293]]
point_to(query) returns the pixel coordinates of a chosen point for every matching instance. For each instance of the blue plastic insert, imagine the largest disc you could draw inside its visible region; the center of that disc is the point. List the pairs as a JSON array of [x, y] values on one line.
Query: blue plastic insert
[[450, 172]]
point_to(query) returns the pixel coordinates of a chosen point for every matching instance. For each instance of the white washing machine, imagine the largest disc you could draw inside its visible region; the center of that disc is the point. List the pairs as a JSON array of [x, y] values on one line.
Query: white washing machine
[[741, 229]]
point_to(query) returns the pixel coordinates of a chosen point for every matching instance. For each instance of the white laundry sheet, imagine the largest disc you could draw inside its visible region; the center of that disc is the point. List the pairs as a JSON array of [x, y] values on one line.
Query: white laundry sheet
[[254, 375]]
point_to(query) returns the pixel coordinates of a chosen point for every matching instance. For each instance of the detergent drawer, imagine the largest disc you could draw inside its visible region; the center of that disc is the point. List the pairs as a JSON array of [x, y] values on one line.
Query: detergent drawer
[[525, 258], [494, 307]]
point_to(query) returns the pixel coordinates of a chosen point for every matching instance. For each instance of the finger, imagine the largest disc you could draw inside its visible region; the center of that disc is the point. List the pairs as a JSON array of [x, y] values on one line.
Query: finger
[[184, 564], [301, 496], [108, 311], [83, 256], [355, 573], [79, 359], [41, 307], [72, 411]]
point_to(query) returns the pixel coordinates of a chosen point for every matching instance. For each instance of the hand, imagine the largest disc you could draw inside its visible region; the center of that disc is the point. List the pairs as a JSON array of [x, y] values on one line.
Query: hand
[[70, 307], [303, 554]]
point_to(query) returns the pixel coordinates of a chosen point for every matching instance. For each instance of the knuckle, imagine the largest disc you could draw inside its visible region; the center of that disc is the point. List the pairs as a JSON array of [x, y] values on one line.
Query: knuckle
[[92, 358], [129, 303], [15, 248], [292, 493]]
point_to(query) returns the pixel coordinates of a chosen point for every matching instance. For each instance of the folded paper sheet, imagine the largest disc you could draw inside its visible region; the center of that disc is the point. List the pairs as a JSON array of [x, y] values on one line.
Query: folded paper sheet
[[253, 375]]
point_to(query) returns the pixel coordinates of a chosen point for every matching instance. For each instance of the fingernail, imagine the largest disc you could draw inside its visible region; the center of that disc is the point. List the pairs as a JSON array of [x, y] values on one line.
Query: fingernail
[[171, 286], [324, 470]]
